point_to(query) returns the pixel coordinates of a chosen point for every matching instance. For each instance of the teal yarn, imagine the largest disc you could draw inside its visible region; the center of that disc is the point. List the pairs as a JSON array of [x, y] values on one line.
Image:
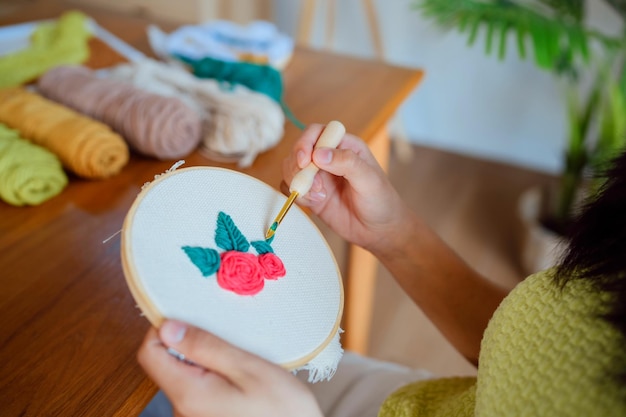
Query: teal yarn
[[237, 270], [262, 247], [263, 79], [206, 259], [260, 78], [228, 236]]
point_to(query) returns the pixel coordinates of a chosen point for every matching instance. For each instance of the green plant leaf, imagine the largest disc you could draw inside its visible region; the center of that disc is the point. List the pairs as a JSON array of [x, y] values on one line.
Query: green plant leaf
[[504, 30], [568, 8], [592, 105], [576, 137], [622, 77], [555, 29], [612, 126], [206, 259], [539, 40], [521, 41], [228, 236], [579, 42], [618, 104], [262, 247], [553, 36], [473, 32], [489, 40], [463, 21]]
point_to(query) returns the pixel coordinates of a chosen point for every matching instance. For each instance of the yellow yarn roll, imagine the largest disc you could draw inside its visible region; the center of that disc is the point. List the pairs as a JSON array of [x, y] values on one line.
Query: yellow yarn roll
[[62, 42], [88, 148], [29, 174]]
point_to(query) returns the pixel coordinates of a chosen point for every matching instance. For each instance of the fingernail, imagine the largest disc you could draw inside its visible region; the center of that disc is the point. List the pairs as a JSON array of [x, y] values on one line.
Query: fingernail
[[173, 331], [317, 184], [323, 156], [301, 158], [316, 195]]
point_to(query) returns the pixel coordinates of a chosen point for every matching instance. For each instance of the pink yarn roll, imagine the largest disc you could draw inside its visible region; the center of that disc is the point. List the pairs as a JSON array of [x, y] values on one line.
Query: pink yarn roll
[[154, 125]]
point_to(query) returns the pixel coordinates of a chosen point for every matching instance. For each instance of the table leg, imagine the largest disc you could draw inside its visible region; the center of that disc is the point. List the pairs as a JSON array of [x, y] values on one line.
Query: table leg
[[362, 269]]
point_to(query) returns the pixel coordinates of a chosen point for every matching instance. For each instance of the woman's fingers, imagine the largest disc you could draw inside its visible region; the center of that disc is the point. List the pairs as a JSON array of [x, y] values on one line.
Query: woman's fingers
[[347, 165], [239, 367], [362, 175], [177, 379], [226, 381], [304, 145]]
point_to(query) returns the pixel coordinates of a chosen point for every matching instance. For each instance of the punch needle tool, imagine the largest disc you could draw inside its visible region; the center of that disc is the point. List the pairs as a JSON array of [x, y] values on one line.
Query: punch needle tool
[[303, 180]]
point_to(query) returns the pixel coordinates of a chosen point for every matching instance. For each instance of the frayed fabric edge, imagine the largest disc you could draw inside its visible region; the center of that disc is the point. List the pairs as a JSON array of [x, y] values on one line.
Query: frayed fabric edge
[[324, 365]]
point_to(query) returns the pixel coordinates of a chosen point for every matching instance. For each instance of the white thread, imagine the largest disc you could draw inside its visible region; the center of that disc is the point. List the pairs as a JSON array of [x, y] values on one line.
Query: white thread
[[112, 236], [171, 169]]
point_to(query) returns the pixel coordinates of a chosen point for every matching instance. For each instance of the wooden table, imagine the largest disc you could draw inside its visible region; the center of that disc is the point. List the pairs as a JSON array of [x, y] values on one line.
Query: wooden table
[[70, 328]]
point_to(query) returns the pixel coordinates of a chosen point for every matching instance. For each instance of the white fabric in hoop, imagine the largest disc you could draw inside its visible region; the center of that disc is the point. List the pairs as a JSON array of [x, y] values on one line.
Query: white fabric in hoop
[[293, 321]]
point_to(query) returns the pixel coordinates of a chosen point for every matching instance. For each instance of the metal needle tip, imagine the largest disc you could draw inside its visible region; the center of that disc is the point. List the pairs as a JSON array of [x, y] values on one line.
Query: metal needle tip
[[281, 214], [270, 232]]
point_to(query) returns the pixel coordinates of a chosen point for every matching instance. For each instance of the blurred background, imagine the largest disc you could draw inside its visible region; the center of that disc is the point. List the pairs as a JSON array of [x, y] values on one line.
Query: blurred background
[[505, 110]]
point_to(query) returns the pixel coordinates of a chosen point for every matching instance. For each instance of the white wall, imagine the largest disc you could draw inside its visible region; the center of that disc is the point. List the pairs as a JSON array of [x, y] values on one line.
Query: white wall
[[469, 103]]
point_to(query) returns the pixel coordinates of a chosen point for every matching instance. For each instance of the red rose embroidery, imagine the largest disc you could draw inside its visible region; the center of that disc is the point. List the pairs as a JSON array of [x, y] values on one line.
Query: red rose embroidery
[[240, 272], [272, 266]]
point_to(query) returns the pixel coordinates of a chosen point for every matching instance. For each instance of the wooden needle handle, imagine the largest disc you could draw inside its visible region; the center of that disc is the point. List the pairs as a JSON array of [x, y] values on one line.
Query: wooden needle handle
[[330, 138]]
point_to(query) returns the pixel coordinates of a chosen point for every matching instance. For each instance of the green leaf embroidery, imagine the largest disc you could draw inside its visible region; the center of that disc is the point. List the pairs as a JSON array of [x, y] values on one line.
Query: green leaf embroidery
[[228, 236], [262, 247], [207, 260]]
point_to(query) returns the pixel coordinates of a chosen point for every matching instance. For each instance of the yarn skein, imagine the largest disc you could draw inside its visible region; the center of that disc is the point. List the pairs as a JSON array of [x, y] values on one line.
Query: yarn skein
[[237, 123], [260, 78], [62, 42], [87, 147], [156, 126], [29, 174]]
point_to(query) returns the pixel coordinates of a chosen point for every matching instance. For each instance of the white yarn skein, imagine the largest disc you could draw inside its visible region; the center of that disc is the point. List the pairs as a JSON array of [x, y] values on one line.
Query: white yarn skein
[[238, 123]]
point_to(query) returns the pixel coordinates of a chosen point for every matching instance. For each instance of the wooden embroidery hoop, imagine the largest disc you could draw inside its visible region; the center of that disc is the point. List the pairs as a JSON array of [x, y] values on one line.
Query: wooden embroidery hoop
[[148, 306]]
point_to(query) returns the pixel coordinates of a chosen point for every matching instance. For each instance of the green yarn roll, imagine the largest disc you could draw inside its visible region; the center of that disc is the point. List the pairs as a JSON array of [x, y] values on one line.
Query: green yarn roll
[[29, 174], [62, 42]]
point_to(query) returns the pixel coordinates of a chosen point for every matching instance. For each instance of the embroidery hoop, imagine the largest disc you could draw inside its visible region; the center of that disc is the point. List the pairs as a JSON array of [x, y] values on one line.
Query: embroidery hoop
[[263, 201]]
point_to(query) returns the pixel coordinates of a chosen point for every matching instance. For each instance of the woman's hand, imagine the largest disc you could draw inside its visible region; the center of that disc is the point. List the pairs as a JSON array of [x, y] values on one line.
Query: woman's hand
[[351, 192], [353, 196], [228, 382]]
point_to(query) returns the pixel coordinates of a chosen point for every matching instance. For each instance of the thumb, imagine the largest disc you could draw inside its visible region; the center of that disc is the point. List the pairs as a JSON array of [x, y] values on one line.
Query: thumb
[[211, 352], [346, 163]]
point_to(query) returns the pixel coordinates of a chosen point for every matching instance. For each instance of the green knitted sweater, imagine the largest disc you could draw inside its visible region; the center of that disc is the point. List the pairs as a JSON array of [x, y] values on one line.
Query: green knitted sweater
[[545, 352]]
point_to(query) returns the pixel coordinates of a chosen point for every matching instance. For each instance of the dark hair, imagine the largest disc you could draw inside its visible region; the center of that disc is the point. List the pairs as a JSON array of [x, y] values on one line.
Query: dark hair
[[597, 248]]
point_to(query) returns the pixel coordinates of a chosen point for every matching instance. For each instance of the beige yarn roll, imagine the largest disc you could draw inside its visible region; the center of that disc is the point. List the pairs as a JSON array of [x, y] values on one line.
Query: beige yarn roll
[[86, 147], [162, 127], [238, 123]]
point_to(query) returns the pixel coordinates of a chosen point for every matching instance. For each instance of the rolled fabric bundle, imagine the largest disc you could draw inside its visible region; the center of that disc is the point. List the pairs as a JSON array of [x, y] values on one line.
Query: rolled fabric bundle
[[154, 125], [86, 147], [29, 174], [61, 42], [237, 123], [258, 42]]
